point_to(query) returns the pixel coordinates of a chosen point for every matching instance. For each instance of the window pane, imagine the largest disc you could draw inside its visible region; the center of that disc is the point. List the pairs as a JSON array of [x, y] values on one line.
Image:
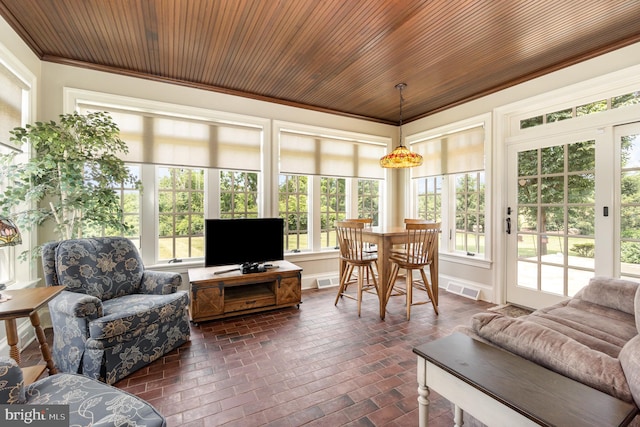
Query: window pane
[[581, 156], [430, 198], [531, 122], [593, 107], [293, 208], [181, 213], [528, 163], [129, 198], [470, 209], [624, 100], [369, 199], [552, 189], [332, 208], [552, 160], [238, 194], [559, 115], [583, 188]]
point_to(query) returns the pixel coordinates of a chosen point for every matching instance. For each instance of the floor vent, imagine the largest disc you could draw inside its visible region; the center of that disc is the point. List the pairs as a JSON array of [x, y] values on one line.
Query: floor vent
[[464, 290], [328, 282]]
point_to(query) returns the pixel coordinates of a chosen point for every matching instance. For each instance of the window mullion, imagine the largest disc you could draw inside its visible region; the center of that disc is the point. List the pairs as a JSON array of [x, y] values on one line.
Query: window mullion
[[148, 215]]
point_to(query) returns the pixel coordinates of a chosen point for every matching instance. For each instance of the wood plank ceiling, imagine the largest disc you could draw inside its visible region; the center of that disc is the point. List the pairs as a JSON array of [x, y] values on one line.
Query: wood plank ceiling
[[340, 56]]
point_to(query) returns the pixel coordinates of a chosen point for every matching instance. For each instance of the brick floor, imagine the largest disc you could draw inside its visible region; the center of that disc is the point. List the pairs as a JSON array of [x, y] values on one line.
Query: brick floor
[[317, 365]]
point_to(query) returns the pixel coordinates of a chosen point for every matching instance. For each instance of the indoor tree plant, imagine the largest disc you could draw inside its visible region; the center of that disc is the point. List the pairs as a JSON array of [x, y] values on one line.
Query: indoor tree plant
[[69, 179]]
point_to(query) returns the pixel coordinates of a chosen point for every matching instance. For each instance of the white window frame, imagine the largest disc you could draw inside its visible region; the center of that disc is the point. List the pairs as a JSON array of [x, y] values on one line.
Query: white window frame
[[447, 243], [19, 276]]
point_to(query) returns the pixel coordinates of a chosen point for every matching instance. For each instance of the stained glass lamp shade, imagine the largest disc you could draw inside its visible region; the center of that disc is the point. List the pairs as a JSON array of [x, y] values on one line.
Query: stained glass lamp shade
[[9, 233]]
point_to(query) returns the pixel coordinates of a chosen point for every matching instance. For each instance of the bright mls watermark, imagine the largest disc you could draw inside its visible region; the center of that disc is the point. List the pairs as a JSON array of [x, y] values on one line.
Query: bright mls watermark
[[34, 415]]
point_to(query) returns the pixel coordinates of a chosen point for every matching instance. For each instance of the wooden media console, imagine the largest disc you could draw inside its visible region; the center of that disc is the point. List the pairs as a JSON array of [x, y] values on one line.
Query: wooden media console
[[223, 291]]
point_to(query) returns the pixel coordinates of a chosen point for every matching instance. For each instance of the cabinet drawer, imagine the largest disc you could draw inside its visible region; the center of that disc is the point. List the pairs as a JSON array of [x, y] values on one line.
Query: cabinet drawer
[[247, 297]]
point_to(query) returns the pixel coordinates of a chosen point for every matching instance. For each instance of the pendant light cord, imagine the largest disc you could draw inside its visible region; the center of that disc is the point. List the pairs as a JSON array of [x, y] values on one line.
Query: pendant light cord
[[400, 87]]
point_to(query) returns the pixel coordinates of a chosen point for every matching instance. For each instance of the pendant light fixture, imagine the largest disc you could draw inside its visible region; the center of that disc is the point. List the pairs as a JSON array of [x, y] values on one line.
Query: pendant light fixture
[[401, 156]]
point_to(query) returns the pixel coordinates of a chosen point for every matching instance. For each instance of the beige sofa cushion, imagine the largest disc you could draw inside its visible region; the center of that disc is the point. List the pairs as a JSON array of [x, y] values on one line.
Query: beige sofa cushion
[[613, 293], [554, 350]]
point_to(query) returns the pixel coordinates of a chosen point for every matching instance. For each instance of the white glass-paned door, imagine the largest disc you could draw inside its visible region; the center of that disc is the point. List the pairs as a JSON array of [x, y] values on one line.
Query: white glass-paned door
[[551, 217]]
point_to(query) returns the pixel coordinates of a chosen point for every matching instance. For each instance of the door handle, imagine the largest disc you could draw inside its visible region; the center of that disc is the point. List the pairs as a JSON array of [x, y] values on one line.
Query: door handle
[[508, 225]]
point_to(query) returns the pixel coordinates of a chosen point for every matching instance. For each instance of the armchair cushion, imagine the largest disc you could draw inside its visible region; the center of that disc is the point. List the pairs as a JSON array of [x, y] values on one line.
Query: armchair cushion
[[105, 268], [160, 282], [135, 313], [79, 305]]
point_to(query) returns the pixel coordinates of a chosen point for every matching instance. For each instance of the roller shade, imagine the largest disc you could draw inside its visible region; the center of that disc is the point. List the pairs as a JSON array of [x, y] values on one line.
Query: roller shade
[[457, 152], [318, 155], [157, 139], [10, 104]]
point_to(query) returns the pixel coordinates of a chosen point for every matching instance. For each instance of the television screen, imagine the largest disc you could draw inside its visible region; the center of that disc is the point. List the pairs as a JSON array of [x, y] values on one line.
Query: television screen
[[236, 241]]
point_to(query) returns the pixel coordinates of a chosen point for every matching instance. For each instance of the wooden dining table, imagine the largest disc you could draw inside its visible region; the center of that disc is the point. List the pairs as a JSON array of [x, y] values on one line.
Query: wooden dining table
[[385, 237]]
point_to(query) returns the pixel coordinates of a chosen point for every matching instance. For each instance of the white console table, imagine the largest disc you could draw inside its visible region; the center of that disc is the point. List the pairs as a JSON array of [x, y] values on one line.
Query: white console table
[[502, 389]]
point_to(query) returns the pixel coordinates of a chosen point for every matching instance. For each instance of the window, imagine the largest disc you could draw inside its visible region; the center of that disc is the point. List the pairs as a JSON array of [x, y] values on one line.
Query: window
[[181, 213], [130, 205], [294, 209], [369, 199], [176, 155], [470, 209], [13, 113], [627, 99], [332, 208], [450, 185], [430, 198], [238, 194], [342, 179]]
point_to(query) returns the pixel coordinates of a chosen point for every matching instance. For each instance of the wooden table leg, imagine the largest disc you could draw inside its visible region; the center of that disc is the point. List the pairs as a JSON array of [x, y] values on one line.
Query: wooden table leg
[[42, 340], [12, 339], [384, 249]]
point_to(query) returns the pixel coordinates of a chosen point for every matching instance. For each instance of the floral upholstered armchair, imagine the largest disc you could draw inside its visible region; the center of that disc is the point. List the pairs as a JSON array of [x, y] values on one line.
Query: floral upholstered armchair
[[114, 317], [91, 403]]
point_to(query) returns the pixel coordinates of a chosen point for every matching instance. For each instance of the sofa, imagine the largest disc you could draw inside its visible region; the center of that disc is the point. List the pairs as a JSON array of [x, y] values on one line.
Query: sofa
[[591, 338], [90, 402], [114, 316]]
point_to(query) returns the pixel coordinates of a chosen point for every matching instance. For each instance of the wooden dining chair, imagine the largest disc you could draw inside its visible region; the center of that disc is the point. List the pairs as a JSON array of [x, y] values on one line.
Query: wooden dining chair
[[401, 248], [420, 250], [368, 247], [354, 256]]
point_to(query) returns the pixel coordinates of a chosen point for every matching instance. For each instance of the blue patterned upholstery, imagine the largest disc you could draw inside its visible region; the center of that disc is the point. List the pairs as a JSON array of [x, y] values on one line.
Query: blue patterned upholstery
[[114, 317], [91, 403]]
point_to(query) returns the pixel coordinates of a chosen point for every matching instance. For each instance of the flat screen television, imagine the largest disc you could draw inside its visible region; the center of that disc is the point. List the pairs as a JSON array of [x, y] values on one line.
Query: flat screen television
[[239, 241]]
